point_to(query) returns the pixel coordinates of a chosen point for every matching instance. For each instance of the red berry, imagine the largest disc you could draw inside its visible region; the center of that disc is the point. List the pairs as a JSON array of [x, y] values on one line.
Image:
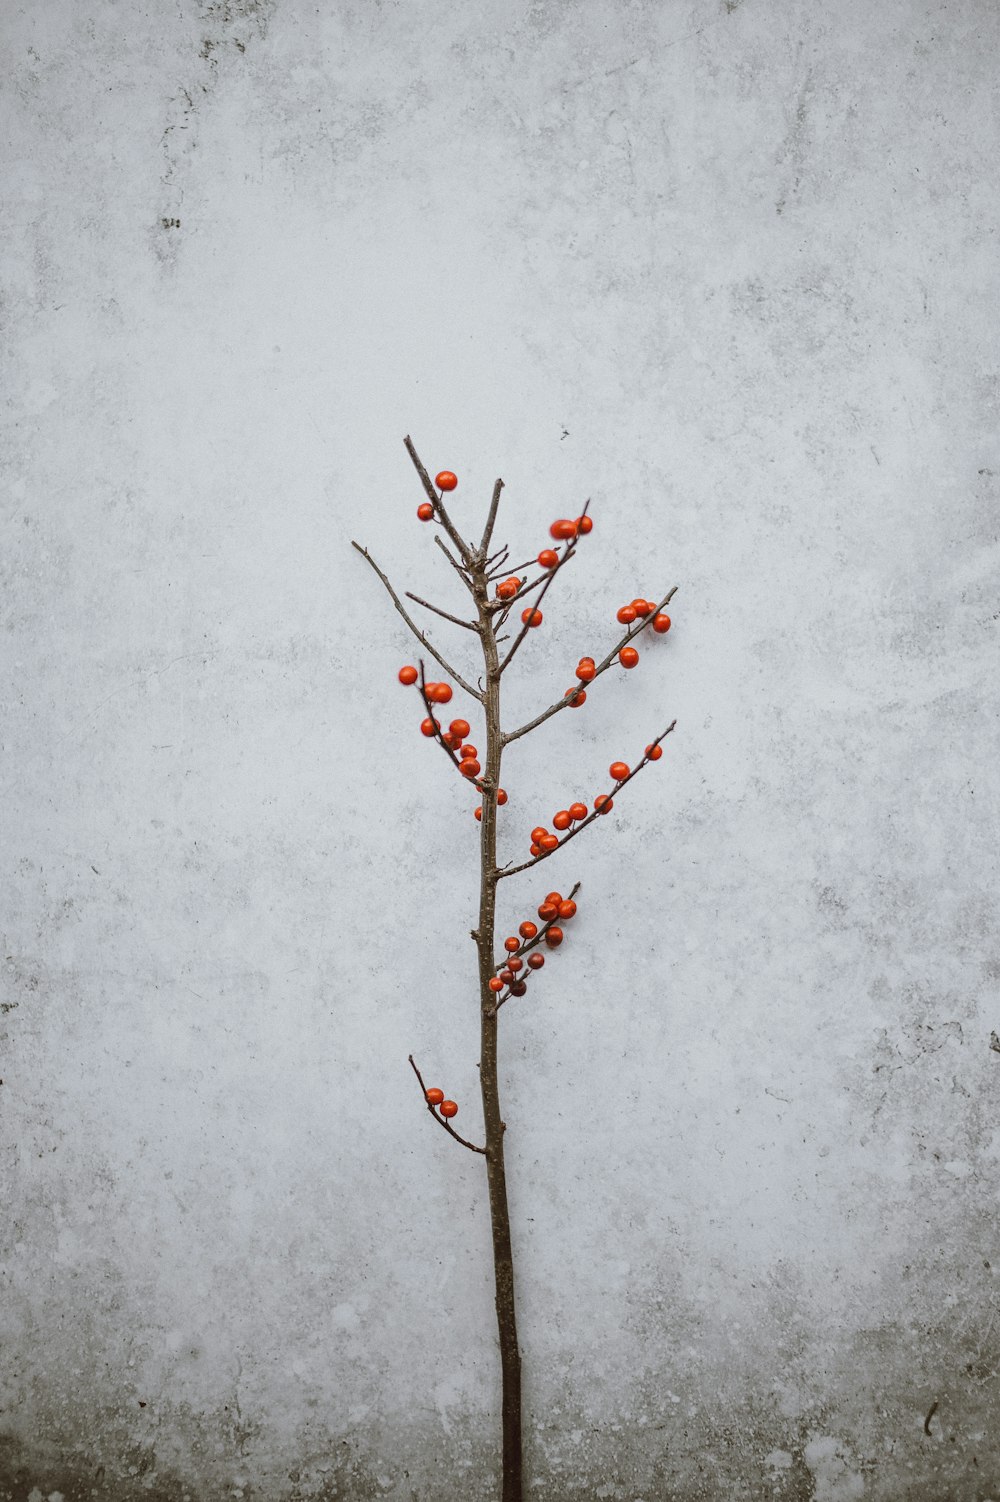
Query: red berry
[[470, 767], [408, 675], [468, 752], [460, 728], [628, 657], [643, 607], [536, 850], [549, 841], [654, 752], [554, 897], [425, 511], [512, 945], [506, 976], [603, 804], [548, 558], [531, 617], [548, 910], [495, 983], [446, 480], [553, 937], [508, 588], [661, 623], [429, 727], [576, 697], [501, 797], [479, 812], [618, 770], [577, 811], [562, 820], [434, 1097], [527, 929], [518, 988], [537, 832], [585, 524], [567, 909], [536, 960], [586, 670], [449, 1108], [562, 530], [626, 615], [515, 963]]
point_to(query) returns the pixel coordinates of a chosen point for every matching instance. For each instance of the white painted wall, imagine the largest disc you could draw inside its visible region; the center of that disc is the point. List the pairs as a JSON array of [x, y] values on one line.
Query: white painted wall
[[729, 269]]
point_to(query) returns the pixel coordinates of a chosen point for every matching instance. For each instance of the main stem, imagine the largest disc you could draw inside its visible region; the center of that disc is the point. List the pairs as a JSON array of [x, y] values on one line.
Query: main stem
[[503, 1258]]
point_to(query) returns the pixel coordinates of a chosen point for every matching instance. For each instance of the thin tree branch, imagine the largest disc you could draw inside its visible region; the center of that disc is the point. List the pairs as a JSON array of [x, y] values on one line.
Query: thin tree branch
[[414, 628], [597, 814], [460, 571], [530, 944], [469, 625], [437, 501], [526, 627], [602, 667], [488, 529], [441, 1120]]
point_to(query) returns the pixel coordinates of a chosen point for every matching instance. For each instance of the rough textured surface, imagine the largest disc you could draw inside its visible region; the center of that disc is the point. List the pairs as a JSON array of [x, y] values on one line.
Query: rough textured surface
[[730, 269]]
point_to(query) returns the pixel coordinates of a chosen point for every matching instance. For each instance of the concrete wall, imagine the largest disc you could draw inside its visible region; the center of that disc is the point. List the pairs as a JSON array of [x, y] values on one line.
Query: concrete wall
[[729, 268]]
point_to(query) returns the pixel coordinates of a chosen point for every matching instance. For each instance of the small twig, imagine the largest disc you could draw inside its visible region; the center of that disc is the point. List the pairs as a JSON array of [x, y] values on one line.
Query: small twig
[[602, 667], [460, 571], [469, 625], [440, 1119], [488, 529], [597, 814], [930, 1414], [526, 627], [437, 501], [414, 628]]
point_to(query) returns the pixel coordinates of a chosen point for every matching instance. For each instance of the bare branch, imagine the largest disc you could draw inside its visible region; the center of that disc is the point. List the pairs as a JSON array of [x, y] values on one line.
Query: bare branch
[[441, 1120], [414, 628], [488, 530], [460, 571], [469, 625], [584, 823], [437, 501], [602, 667]]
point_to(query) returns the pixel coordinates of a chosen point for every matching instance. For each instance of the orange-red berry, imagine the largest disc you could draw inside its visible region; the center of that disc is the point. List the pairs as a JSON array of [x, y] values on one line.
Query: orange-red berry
[[537, 832], [576, 697], [548, 910], [549, 841], [506, 976], [501, 796], [618, 770], [626, 615], [562, 530], [586, 670], [445, 480], [535, 849], [567, 909], [536, 960], [468, 752], [643, 607], [425, 511], [554, 897], [495, 983], [577, 811], [628, 657], [479, 812], [508, 588], [562, 820], [429, 727], [527, 929], [460, 728], [512, 945], [408, 675], [434, 1097], [654, 752], [518, 988], [603, 804], [531, 617], [448, 1108], [548, 558], [585, 524], [661, 623], [553, 937], [515, 963], [470, 767]]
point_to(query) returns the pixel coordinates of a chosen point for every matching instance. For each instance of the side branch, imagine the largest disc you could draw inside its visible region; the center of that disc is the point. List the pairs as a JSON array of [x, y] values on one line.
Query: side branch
[[602, 667], [584, 823], [414, 628], [469, 625], [440, 1119], [528, 945], [440, 511], [488, 529]]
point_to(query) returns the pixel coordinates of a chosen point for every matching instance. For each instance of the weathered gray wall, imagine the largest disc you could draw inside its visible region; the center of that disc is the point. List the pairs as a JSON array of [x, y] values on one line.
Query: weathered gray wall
[[730, 269]]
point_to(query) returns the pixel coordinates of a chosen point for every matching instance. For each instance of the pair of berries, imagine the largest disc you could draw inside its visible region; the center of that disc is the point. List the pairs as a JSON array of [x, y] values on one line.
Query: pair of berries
[[437, 693], [436, 1098], [564, 530], [444, 480]]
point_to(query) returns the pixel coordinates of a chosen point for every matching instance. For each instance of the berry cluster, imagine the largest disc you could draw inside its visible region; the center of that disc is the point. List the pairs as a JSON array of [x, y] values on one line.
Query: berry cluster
[[435, 1097], [562, 530], [522, 947], [568, 820], [454, 738]]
